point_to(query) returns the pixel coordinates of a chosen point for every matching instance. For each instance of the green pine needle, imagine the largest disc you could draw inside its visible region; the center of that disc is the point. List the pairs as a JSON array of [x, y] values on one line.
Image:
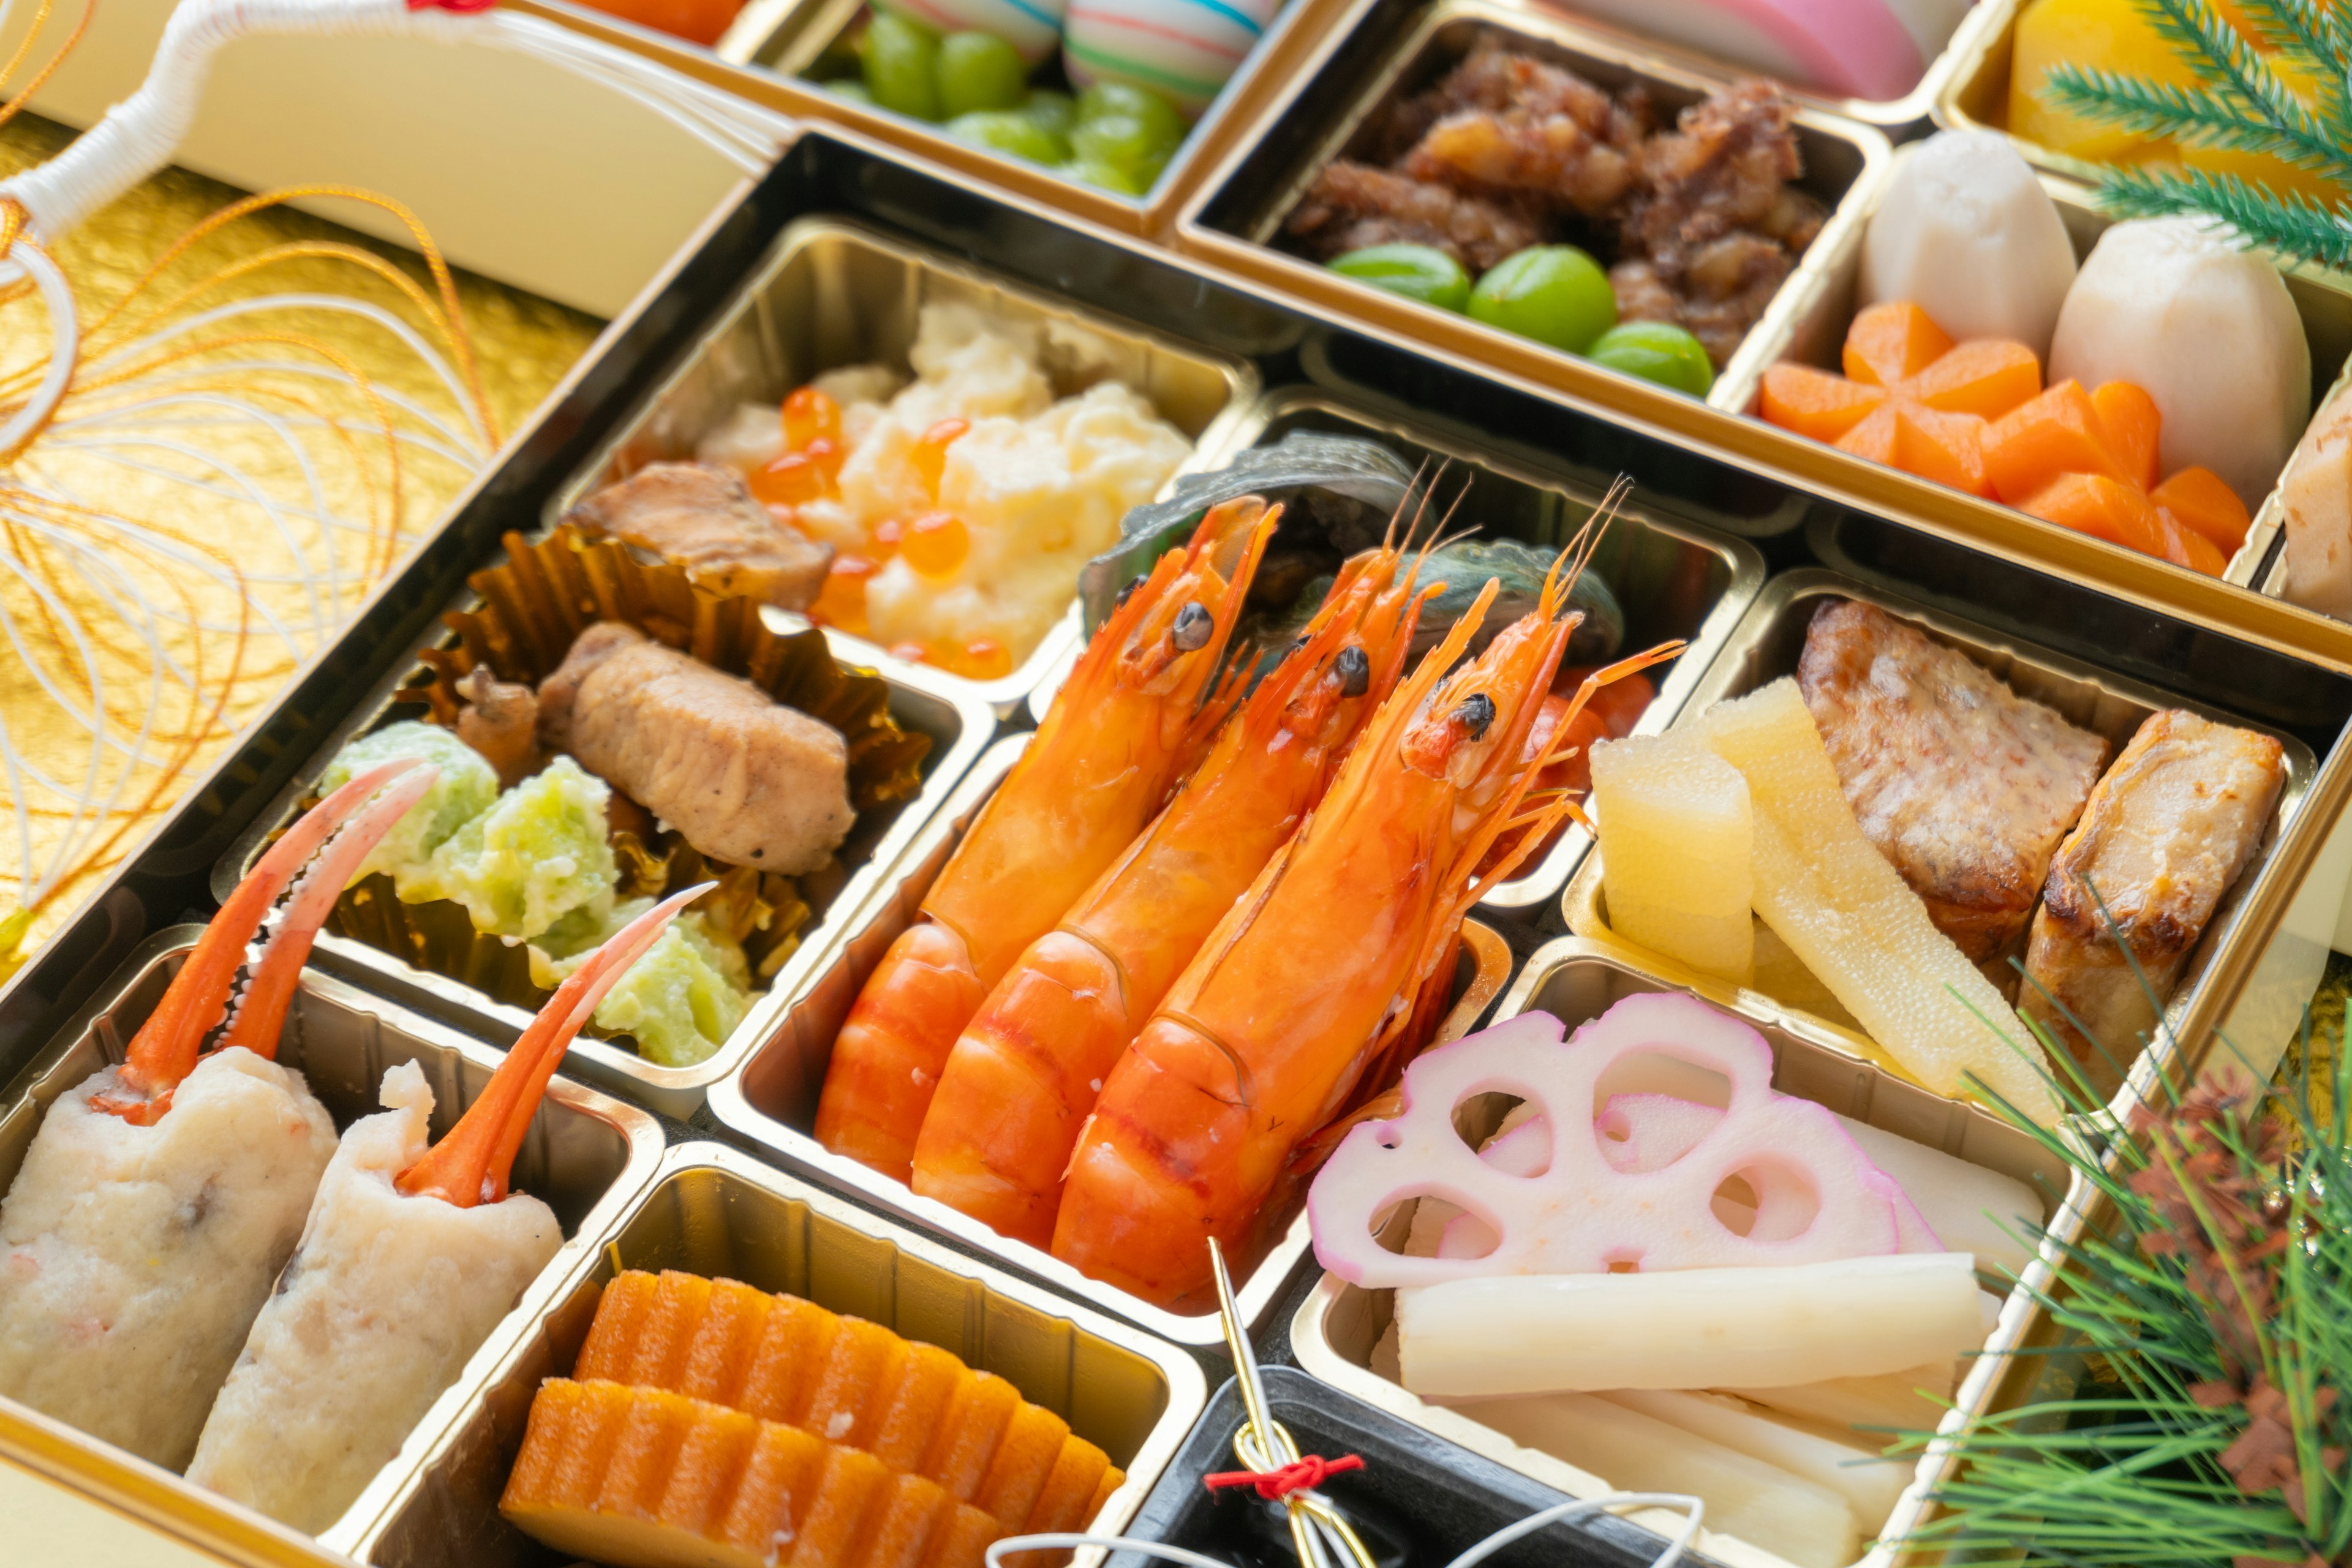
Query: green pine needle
[[2241, 102], [2118, 1462]]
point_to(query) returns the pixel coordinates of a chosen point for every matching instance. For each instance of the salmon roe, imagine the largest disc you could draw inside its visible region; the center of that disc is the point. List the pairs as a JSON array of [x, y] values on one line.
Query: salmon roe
[[792, 479], [811, 415], [935, 543], [842, 601], [930, 454], [981, 660]]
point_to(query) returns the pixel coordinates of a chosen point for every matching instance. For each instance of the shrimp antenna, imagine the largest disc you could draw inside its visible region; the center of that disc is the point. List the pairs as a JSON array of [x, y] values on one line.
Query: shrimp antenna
[[1580, 549], [1416, 495]]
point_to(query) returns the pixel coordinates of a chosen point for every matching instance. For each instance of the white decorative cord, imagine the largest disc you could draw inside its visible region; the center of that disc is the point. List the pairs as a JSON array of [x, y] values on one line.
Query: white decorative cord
[[140, 134], [1693, 1510]]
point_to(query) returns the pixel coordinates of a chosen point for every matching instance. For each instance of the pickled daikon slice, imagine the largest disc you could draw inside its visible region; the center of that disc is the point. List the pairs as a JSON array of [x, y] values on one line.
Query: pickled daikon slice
[[1809, 1191], [1845, 911], [1676, 845]]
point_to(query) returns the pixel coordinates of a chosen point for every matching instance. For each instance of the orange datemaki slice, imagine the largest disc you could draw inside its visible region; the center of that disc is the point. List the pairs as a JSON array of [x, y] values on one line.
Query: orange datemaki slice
[[640, 1477], [914, 1407]]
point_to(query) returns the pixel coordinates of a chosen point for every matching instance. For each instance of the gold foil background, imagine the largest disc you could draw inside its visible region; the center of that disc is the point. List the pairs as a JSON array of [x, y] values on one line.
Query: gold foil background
[[174, 549]]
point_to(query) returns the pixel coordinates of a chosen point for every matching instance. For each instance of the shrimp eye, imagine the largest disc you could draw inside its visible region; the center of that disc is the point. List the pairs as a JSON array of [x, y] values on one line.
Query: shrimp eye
[[1193, 625], [1128, 592], [1477, 711], [1355, 668]]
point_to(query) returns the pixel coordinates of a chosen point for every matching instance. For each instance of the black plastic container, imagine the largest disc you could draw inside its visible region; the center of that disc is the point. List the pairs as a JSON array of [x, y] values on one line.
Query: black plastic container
[[1419, 1502]]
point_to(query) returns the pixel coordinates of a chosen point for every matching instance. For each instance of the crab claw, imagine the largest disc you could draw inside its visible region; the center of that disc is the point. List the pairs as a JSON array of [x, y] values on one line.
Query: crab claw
[[164, 1050], [471, 1164]]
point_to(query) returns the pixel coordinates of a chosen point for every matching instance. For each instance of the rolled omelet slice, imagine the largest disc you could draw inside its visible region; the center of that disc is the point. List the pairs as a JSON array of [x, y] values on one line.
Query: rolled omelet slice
[[384, 1301], [134, 1258]]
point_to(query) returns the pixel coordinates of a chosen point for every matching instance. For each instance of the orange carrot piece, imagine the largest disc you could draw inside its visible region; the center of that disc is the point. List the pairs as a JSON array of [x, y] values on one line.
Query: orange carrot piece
[[969, 1435], [2184, 546], [2200, 500], [1891, 343], [1986, 378], [850, 1488], [1877, 437], [2058, 433], [1816, 403], [2101, 507], [778, 1486], [1946, 448], [1062, 1504], [2128, 416], [641, 1457]]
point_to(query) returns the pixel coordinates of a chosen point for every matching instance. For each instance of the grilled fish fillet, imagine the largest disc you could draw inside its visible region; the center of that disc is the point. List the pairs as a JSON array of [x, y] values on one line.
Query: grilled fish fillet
[[2168, 831], [704, 518], [747, 780], [1965, 786]]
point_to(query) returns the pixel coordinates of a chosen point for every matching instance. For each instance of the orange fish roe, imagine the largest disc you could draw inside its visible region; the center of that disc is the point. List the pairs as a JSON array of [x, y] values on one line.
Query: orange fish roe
[[631, 1476], [913, 1406]]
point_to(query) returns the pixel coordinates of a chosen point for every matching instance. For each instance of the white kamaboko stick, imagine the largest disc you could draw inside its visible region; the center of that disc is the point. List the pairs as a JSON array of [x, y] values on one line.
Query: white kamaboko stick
[[1902, 1401], [1692, 1328], [1870, 1485], [1760, 1503]]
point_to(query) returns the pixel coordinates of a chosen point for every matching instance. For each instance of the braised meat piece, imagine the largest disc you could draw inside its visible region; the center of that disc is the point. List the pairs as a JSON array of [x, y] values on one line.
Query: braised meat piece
[[1966, 787], [1716, 298], [746, 780], [2166, 833], [1725, 166], [704, 519], [1508, 150], [501, 720], [1510, 123], [1351, 205]]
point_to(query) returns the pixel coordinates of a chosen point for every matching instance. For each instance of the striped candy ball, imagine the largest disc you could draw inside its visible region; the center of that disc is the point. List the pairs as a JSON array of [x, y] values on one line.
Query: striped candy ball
[[1182, 50], [1031, 26]]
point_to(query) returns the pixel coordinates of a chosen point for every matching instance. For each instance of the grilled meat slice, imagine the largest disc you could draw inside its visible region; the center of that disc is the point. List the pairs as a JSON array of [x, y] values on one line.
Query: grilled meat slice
[[2168, 831], [746, 780], [1965, 786], [703, 518]]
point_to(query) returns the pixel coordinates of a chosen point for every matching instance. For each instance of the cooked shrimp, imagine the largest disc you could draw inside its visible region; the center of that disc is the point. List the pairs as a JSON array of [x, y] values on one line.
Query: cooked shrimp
[[409, 1258], [1316, 972], [1127, 724], [1026, 1069], [160, 1196]]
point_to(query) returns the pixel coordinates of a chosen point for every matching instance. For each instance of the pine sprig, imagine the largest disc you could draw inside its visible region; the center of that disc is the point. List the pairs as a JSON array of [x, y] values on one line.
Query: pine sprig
[[2216, 1305], [2286, 222], [2241, 101]]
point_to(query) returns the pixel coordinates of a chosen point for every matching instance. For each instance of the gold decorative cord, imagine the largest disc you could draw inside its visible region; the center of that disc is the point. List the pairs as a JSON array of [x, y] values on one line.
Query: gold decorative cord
[[266, 416]]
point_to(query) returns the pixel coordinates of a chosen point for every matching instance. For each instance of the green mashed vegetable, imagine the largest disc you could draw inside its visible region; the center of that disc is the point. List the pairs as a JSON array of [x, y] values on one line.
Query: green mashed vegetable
[[535, 865]]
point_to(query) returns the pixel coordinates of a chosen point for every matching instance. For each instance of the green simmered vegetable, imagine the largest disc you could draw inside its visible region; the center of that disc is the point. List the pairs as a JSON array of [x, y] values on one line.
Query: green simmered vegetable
[[531, 858], [1420, 272], [465, 790], [1555, 294], [1655, 351], [679, 1002]]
